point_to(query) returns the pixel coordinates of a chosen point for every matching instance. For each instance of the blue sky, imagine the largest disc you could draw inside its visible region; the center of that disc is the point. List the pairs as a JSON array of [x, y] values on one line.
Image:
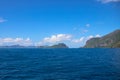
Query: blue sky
[[47, 22]]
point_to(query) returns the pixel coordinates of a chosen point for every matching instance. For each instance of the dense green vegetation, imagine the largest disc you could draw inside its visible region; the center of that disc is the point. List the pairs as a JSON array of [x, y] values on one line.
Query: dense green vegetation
[[60, 45], [111, 40]]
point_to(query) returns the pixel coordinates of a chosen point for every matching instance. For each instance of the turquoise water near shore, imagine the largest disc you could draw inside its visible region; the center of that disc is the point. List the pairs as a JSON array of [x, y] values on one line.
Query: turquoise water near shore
[[59, 64]]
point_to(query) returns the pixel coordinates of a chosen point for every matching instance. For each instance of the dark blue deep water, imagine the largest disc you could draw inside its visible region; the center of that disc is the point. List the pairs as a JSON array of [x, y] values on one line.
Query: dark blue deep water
[[59, 64]]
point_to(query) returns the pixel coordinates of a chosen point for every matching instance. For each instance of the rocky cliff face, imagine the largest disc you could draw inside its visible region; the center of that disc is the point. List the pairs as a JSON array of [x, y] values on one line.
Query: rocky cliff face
[[111, 40]]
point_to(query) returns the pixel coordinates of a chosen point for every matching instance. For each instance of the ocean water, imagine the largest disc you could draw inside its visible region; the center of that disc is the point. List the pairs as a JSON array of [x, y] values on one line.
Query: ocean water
[[59, 64]]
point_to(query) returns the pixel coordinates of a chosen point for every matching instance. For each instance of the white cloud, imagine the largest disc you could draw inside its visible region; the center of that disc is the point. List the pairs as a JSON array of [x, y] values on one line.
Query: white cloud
[[97, 35], [14, 41], [87, 25], [64, 38], [2, 20], [89, 37], [83, 31], [81, 41], [108, 1], [57, 38], [54, 39], [40, 43], [67, 39], [78, 40]]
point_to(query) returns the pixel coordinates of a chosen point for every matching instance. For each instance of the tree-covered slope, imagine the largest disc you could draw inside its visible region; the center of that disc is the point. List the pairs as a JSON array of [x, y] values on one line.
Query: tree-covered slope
[[108, 41], [60, 45]]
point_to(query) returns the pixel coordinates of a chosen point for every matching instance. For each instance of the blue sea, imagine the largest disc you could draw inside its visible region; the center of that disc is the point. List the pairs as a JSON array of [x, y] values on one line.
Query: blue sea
[[59, 64]]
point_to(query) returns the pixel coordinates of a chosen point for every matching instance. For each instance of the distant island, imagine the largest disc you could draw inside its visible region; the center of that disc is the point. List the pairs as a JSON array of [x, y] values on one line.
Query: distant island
[[111, 40], [59, 45], [17, 46]]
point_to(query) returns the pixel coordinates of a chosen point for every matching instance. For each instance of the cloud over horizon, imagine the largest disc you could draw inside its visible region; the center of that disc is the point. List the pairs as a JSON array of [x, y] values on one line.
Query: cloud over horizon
[[57, 38], [108, 1], [65, 38], [15, 41], [54, 39], [83, 40]]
